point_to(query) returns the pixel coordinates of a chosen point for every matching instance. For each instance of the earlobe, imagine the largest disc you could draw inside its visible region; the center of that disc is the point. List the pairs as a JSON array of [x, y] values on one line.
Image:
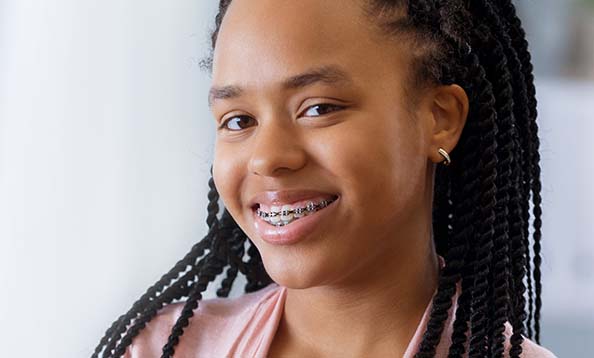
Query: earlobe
[[450, 108]]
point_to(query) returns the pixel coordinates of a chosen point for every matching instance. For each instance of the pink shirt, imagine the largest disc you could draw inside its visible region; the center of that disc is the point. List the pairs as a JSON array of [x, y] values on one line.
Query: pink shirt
[[245, 326]]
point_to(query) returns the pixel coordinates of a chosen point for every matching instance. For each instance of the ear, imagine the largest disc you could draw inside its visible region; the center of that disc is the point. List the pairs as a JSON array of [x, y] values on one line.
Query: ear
[[448, 114]]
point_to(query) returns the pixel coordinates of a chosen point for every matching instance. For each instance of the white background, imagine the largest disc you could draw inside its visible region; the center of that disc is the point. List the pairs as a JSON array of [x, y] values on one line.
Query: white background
[[105, 146]]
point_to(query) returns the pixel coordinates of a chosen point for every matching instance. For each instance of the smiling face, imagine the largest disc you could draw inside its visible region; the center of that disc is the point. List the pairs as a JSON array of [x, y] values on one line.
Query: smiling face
[[310, 96]]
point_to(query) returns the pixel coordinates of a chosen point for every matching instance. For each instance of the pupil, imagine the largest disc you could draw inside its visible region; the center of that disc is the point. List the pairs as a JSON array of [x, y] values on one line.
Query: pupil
[[322, 106]]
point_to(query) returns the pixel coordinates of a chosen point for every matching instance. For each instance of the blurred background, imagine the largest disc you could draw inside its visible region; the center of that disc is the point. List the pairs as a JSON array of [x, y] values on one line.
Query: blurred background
[[106, 143]]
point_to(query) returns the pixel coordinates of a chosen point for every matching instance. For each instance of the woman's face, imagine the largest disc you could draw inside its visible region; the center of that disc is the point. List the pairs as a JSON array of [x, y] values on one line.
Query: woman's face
[[348, 133]]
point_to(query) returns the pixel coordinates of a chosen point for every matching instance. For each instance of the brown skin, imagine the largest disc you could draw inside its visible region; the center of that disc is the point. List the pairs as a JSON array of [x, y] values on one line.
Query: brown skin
[[360, 283]]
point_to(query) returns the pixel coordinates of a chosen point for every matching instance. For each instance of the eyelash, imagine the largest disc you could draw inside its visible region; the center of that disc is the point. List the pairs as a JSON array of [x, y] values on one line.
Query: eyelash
[[336, 107]]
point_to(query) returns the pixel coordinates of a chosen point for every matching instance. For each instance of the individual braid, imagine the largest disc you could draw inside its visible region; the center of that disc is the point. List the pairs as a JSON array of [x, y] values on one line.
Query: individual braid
[[236, 249], [517, 308], [520, 43], [227, 282], [209, 272], [500, 294], [223, 5], [461, 323], [484, 245], [518, 259], [465, 170], [237, 245], [442, 209], [537, 212], [519, 233], [259, 277], [528, 141]]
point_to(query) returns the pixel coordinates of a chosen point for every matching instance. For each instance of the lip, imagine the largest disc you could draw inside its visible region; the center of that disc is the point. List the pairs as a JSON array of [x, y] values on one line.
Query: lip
[[296, 231]]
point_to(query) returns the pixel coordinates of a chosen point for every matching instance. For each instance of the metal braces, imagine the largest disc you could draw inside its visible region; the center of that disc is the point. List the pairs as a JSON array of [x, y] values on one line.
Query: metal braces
[[310, 208]]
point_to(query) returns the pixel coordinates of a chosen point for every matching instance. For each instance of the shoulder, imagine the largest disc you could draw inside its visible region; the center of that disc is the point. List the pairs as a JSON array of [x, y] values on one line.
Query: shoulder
[[210, 320], [530, 349]]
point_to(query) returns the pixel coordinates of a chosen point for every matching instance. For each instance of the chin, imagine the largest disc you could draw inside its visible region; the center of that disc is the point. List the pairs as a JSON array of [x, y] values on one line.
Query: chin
[[295, 276], [311, 263]]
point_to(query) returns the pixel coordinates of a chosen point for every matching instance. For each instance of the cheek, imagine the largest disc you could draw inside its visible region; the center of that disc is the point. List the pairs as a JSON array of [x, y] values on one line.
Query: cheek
[[377, 162]]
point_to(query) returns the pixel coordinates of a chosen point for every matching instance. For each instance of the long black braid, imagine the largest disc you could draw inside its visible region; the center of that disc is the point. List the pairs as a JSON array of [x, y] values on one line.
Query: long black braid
[[498, 294], [481, 214], [532, 181]]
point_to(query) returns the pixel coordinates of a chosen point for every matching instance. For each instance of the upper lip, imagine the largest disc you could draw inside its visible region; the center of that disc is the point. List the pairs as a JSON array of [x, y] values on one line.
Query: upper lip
[[285, 197]]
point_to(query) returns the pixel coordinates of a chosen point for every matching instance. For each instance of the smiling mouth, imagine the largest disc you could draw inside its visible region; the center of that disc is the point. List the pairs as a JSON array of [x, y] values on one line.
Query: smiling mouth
[[286, 217]]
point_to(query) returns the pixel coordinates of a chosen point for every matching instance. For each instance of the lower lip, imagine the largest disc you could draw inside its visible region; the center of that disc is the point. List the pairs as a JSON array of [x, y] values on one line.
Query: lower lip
[[296, 231]]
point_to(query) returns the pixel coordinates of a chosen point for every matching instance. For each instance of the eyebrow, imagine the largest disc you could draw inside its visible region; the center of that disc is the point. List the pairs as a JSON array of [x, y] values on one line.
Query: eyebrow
[[328, 74]]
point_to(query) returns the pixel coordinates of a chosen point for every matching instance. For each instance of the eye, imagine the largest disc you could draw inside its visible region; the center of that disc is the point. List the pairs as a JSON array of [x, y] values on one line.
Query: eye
[[242, 120], [236, 123], [323, 108]]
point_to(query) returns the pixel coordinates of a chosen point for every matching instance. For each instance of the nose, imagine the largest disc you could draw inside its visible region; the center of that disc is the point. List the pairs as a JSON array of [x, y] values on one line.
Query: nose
[[276, 149]]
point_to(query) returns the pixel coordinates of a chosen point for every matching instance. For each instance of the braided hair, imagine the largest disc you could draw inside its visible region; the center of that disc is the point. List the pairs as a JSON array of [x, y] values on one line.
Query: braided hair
[[481, 46]]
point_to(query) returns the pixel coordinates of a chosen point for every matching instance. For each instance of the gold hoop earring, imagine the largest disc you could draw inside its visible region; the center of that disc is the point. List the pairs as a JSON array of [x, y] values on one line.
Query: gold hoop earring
[[445, 154]]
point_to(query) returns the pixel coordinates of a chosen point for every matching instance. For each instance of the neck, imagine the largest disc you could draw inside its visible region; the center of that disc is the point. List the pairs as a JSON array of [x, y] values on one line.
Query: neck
[[376, 310]]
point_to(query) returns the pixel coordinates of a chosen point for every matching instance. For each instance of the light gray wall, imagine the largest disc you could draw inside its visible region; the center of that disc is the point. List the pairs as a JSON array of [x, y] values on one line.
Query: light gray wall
[[105, 146]]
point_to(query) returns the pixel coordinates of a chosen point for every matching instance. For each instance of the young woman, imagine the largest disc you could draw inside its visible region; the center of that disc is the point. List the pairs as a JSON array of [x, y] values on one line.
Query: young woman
[[376, 160]]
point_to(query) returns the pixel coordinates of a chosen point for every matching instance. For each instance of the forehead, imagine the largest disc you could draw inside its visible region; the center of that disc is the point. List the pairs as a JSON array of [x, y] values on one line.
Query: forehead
[[265, 42]]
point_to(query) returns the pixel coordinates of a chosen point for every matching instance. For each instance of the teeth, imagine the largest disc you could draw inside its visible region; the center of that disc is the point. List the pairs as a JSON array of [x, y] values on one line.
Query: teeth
[[299, 213], [274, 215], [280, 216], [286, 214]]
